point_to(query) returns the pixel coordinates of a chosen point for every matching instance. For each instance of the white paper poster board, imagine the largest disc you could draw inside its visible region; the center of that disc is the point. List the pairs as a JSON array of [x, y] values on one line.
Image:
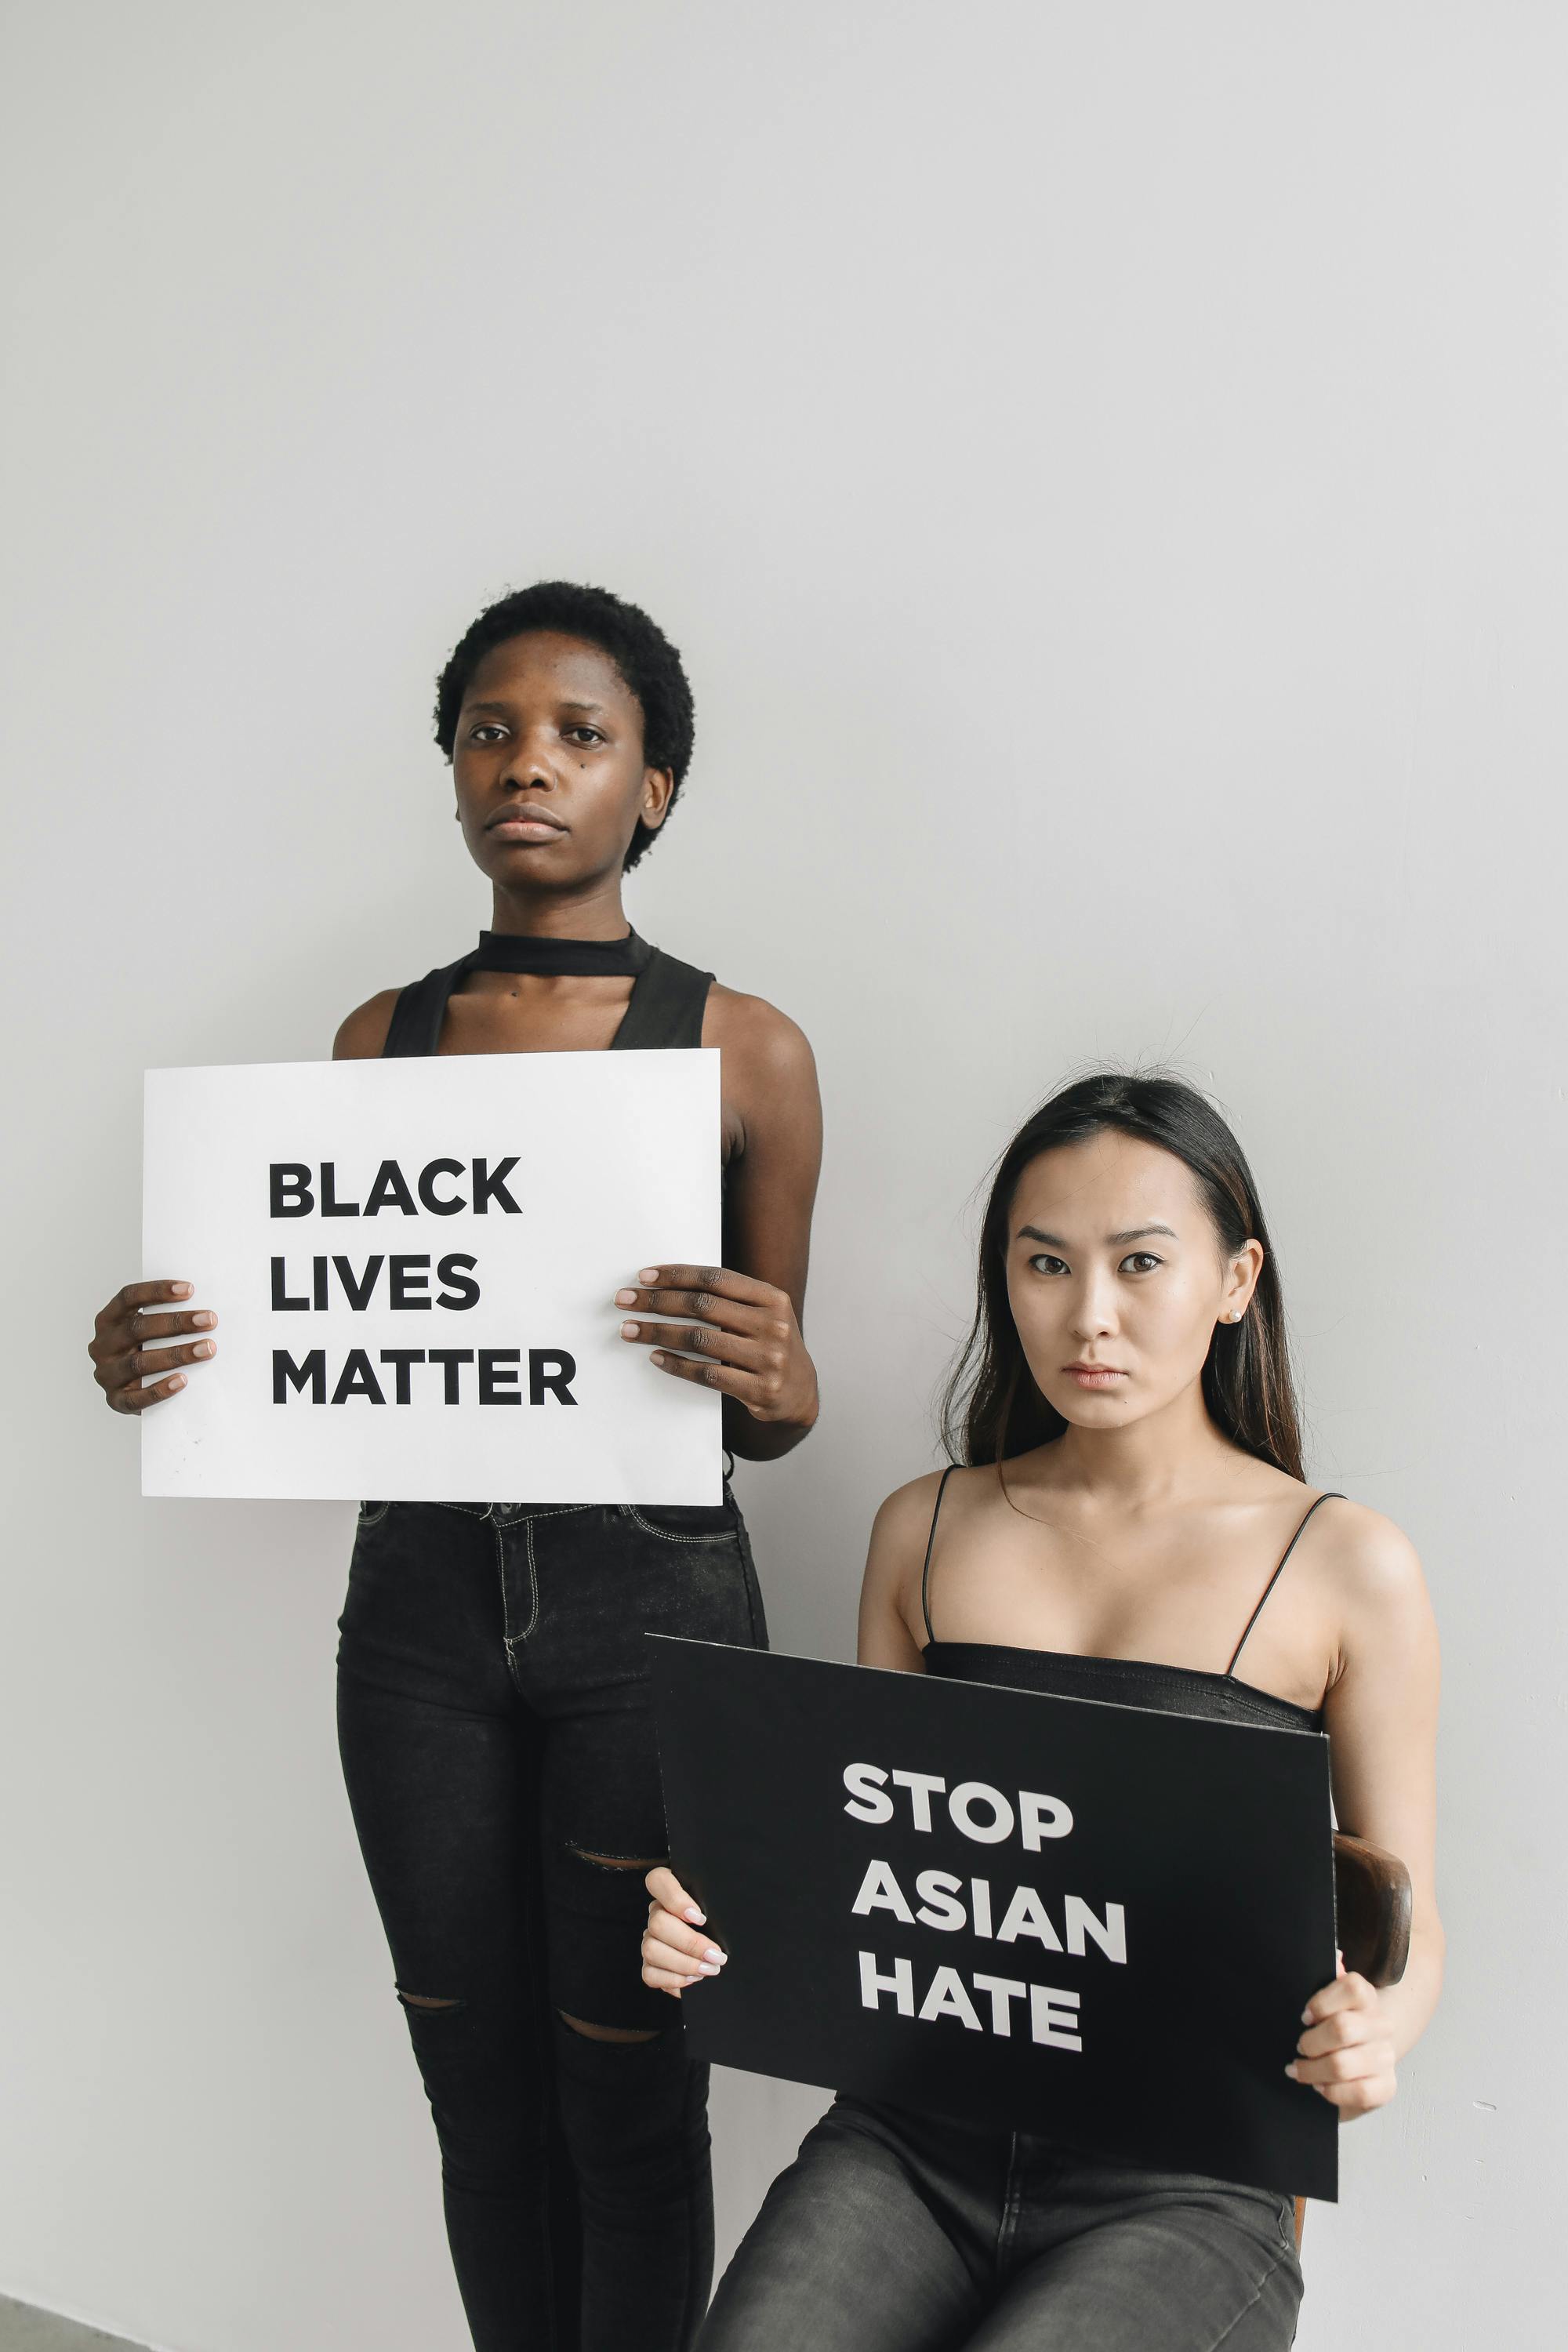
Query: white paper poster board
[[414, 1265]]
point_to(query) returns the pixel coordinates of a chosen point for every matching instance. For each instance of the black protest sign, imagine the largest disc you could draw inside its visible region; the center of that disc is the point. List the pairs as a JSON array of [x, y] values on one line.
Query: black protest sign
[[1051, 1915]]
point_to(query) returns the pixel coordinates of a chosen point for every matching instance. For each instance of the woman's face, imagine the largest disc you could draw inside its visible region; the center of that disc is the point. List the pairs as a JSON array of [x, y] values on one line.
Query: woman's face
[[1117, 1278], [548, 763]]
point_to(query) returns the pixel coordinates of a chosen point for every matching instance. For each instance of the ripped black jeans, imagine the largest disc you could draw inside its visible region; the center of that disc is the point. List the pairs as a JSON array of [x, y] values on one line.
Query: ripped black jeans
[[497, 1734]]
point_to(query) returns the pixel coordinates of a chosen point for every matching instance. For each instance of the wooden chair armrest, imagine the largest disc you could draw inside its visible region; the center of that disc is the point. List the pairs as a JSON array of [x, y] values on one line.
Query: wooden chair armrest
[[1371, 1909]]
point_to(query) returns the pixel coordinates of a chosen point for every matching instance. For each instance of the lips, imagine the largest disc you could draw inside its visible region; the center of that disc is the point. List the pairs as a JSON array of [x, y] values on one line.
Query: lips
[[526, 821], [1094, 1375]]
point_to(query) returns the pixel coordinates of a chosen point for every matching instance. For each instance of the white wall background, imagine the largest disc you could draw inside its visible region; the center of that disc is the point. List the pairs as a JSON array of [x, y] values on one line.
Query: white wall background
[[1106, 468]]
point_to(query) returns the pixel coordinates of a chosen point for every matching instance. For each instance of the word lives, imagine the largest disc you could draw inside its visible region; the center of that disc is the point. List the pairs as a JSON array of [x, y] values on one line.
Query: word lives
[[1001, 1910]]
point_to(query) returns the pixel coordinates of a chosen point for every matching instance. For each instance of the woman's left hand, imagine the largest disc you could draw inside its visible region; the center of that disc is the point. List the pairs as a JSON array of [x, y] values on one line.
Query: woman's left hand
[[1347, 2051], [742, 1338]]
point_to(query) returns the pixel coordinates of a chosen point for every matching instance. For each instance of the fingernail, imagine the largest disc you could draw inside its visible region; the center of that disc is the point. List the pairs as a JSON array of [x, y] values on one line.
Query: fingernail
[[712, 1954], [697, 1918], [202, 1348], [181, 1290], [204, 1321], [656, 1356], [629, 1331], [1290, 2070], [647, 1273], [626, 1298], [708, 1970], [177, 1382]]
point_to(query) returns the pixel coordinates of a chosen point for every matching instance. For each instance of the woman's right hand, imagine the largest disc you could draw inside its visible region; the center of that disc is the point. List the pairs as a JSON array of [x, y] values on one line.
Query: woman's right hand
[[119, 1360], [675, 1952]]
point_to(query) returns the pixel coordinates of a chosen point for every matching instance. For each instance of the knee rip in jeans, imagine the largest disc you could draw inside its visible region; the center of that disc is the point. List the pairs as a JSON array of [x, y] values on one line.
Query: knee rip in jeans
[[609, 2032], [427, 2000], [618, 1861]]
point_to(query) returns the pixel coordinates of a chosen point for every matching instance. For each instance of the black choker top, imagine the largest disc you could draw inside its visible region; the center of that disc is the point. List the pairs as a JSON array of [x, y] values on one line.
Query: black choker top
[[667, 1003], [526, 951]]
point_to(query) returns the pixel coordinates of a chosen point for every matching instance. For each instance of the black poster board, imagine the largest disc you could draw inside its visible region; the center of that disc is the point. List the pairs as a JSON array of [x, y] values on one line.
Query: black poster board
[[1142, 1994]]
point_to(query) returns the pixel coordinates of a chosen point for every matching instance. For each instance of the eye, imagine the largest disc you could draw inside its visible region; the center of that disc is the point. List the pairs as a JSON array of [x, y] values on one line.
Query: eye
[[1141, 1262], [584, 734], [1044, 1263], [486, 731]]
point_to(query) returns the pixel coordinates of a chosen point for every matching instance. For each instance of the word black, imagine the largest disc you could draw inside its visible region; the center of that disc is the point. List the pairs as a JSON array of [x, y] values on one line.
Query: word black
[[291, 1185]]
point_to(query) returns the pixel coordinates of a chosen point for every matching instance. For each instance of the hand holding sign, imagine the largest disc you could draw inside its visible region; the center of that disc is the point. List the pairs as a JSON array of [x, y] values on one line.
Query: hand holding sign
[[744, 1339], [675, 1952], [1347, 2053], [121, 1363]]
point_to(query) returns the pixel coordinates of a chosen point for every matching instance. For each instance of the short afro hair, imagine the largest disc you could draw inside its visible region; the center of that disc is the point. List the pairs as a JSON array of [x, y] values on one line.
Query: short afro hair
[[647, 660]]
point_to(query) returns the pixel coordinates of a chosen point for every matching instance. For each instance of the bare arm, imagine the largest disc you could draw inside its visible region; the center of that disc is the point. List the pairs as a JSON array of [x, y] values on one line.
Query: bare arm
[[746, 1338], [1382, 1717], [892, 1632]]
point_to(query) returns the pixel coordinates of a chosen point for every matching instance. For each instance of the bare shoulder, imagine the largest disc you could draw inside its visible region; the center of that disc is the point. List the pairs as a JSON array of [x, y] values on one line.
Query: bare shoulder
[[891, 1589], [1373, 1557], [902, 1527], [364, 1033], [1373, 1570], [760, 1039], [905, 1515]]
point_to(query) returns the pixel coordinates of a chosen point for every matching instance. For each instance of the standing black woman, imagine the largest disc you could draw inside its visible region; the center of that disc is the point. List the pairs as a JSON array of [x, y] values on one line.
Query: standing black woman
[[496, 1730]]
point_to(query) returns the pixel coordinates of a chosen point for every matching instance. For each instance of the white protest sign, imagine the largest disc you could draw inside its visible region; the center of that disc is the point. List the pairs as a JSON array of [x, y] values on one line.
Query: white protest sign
[[414, 1265]]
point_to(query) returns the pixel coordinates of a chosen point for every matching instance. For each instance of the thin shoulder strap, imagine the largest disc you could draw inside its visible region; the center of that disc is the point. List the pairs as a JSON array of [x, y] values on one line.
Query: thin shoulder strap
[[667, 1004], [1333, 1496], [925, 1570]]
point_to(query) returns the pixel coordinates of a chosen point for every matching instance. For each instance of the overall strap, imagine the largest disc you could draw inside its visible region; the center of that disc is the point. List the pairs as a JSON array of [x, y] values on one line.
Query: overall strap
[[419, 1011], [925, 1570], [669, 998], [1333, 1496]]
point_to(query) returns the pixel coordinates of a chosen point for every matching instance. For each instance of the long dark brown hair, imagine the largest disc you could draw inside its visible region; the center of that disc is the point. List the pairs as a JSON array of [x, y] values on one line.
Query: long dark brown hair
[[992, 1409]]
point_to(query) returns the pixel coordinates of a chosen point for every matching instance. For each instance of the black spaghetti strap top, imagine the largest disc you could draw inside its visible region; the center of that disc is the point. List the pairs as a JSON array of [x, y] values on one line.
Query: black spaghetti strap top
[[667, 1001], [1130, 1681]]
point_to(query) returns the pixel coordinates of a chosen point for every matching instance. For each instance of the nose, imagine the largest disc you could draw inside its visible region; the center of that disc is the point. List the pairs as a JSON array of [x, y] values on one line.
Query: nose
[[528, 769], [1094, 1306]]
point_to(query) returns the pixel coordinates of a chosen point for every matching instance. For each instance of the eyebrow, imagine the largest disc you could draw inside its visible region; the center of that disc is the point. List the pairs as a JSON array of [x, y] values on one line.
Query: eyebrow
[[589, 709], [1135, 1234]]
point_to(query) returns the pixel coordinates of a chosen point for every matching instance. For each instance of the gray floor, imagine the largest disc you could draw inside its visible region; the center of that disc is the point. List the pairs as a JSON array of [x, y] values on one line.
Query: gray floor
[[23, 2329]]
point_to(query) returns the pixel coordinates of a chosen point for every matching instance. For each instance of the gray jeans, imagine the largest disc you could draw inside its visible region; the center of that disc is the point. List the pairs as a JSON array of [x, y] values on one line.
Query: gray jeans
[[897, 2232]]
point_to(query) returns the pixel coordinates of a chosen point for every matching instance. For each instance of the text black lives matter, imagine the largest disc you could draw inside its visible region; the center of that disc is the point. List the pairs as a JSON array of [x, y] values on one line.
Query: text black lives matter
[[401, 1282]]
